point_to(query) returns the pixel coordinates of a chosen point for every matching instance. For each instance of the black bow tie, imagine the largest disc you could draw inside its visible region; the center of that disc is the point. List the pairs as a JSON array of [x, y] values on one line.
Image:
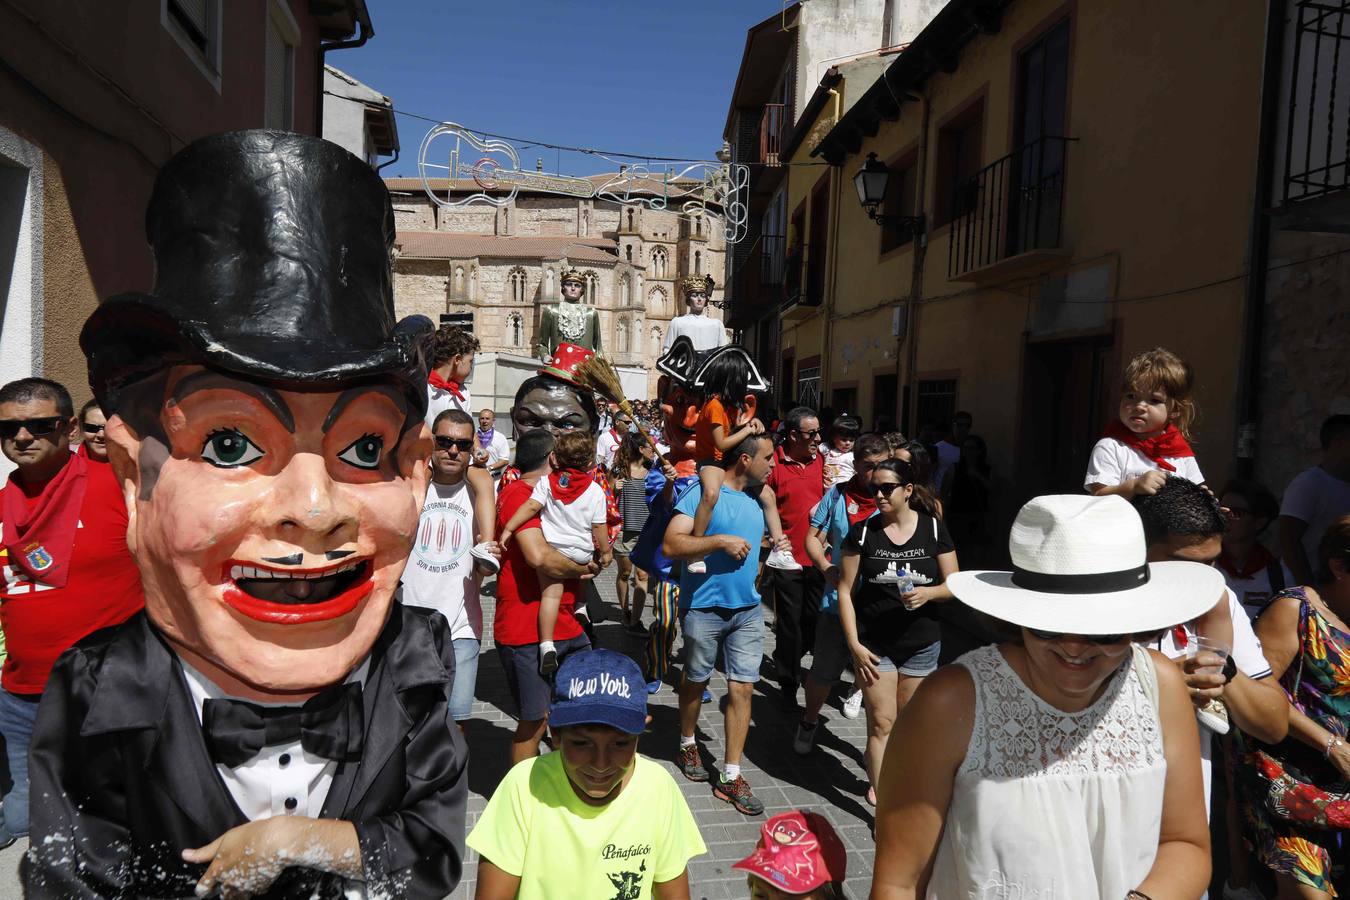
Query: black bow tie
[[330, 724]]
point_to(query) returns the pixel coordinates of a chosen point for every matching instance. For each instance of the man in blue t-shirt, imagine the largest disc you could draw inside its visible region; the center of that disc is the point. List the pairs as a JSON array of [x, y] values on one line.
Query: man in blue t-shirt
[[720, 609]]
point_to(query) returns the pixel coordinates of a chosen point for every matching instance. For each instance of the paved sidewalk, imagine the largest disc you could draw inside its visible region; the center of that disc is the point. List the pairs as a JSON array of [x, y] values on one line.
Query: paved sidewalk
[[829, 781]]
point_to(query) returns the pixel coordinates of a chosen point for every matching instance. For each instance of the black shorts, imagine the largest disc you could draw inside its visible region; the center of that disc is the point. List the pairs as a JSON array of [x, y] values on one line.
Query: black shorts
[[532, 692]]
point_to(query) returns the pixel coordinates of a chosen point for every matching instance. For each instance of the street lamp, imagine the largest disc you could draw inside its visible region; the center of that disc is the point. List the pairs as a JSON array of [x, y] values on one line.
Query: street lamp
[[871, 182]]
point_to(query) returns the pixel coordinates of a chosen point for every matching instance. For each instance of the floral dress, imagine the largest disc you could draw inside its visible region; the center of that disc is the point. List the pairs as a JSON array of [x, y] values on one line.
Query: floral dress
[[1294, 781]]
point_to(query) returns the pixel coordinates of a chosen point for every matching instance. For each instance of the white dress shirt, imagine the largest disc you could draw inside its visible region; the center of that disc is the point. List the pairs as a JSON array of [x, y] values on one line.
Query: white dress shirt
[[283, 779]]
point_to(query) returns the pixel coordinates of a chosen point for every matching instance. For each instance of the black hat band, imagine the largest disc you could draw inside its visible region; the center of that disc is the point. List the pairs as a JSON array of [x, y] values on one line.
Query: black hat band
[[1091, 583]]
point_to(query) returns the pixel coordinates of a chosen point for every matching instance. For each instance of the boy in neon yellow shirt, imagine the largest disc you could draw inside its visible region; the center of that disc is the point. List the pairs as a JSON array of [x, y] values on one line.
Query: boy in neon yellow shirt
[[593, 820]]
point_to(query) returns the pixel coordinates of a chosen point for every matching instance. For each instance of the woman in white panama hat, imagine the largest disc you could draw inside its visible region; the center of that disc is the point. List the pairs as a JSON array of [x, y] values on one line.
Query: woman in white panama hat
[[1064, 763]]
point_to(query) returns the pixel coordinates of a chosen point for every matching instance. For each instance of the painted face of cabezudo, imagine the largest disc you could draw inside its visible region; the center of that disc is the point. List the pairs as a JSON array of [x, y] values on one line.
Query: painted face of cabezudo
[[557, 410], [271, 526]]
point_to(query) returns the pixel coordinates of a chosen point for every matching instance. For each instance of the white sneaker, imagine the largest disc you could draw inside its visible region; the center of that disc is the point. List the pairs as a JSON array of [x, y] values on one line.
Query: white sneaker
[[853, 704], [697, 567], [1214, 716], [484, 556], [781, 559]]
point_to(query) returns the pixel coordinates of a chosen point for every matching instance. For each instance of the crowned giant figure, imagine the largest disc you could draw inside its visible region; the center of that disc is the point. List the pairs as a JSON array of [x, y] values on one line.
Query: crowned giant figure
[[704, 332], [275, 723], [569, 321]]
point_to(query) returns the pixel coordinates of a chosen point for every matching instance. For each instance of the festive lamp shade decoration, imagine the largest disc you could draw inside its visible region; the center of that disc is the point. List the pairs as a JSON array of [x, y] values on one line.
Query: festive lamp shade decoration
[[871, 182]]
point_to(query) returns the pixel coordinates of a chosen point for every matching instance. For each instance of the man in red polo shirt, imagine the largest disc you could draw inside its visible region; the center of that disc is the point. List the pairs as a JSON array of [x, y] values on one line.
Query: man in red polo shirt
[[798, 482], [68, 571], [515, 626]]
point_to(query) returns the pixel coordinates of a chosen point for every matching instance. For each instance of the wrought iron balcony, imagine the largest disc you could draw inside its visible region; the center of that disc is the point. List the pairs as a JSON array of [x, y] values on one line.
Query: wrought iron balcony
[[1317, 142], [771, 125], [1009, 208], [772, 259]]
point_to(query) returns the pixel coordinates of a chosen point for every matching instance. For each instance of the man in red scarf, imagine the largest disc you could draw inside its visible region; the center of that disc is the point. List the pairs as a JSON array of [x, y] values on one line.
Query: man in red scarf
[[68, 572], [842, 507]]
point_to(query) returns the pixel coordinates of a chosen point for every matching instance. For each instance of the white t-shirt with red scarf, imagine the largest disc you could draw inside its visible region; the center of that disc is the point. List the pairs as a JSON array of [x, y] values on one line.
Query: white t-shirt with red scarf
[[566, 521], [606, 447], [1113, 463], [443, 395]]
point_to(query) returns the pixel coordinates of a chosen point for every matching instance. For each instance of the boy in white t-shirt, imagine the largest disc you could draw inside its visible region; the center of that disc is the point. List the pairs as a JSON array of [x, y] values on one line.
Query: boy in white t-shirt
[[571, 506], [451, 365], [1144, 446]]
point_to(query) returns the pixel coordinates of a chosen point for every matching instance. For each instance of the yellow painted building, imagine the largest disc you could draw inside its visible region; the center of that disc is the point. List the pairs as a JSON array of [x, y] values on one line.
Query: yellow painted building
[[1084, 175]]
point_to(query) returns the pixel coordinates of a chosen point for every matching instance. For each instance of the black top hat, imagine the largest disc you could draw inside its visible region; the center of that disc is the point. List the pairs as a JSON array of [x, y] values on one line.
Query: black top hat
[[687, 365], [271, 262]]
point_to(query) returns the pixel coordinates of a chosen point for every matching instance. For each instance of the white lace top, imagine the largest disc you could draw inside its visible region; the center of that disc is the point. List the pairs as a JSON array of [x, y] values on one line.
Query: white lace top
[[1050, 805]]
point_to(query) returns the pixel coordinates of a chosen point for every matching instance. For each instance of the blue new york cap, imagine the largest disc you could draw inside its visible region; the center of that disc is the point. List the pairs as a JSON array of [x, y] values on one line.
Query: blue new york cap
[[599, 687]]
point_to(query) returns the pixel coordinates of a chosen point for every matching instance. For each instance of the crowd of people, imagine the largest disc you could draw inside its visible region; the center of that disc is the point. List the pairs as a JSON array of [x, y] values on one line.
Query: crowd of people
[[1064, 693], [240, 659]]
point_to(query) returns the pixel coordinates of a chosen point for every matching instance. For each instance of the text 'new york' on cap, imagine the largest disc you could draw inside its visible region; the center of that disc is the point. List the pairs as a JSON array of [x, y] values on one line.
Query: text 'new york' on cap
[[599, 687]]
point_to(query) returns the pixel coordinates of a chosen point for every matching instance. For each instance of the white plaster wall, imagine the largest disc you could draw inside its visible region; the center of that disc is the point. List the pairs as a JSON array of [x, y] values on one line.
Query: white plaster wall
[[20, 261]]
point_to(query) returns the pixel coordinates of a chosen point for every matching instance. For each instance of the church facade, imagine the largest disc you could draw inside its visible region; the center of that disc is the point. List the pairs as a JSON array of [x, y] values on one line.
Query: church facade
[[502, 267]]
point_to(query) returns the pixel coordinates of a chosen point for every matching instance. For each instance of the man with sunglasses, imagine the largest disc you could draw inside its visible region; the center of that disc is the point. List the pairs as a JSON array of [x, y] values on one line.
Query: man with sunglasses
[[68, 571], [441, 573], [798, 483]]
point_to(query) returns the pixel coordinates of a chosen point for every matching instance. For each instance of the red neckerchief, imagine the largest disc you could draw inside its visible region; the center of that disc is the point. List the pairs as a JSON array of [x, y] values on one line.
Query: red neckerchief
[[83, 451], [567, 485], [1179, 635], [41, 538], [435, 380], [865, 502], [1159, 448], [1257, 561]]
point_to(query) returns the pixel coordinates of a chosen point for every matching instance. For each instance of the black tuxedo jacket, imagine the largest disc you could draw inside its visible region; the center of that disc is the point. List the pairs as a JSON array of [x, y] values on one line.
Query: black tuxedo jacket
[[121, 781]]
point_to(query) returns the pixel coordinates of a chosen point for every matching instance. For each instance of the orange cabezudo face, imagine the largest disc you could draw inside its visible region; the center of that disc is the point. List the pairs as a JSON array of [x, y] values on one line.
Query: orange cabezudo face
[[272, 529]]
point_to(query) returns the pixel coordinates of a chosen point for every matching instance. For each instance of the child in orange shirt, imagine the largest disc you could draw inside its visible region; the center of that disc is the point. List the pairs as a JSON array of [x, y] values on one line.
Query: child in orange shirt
[[724, 384]]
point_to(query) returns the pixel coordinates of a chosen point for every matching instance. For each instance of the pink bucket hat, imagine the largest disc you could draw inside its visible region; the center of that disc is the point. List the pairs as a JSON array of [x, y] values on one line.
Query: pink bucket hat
[[797, 853]]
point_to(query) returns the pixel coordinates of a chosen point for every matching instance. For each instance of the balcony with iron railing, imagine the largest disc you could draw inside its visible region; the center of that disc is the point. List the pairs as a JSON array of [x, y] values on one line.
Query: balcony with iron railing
[[1316, 177], [1009, 216], [772, 124]]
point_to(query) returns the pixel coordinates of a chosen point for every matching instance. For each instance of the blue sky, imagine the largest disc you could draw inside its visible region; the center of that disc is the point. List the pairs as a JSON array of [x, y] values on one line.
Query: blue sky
[[644, 76]]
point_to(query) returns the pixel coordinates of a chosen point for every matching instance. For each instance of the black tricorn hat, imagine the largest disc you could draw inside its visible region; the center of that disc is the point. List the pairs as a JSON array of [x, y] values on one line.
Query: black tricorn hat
[[271, 262]]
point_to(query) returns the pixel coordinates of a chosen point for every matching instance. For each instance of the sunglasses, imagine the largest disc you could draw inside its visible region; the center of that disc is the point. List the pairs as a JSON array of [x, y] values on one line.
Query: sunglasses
[[1098, 639], [10, 428], [809, 435], [461, 444], [91, 428], [886, 488]]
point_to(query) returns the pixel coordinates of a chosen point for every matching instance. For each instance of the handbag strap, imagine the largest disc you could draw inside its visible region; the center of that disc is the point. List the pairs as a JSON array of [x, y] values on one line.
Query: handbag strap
[[1148, 676]]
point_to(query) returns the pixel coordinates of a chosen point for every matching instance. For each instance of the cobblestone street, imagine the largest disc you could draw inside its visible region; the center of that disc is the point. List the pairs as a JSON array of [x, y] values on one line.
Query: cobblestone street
[[829, 781]]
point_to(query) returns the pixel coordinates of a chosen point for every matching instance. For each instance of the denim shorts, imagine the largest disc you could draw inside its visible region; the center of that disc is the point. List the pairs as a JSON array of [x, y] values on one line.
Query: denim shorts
[[466, 676], [923, 662], [738, 632]]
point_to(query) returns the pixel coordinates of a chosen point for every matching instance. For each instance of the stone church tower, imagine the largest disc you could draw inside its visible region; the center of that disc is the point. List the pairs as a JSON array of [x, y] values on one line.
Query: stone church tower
[[502, 267]]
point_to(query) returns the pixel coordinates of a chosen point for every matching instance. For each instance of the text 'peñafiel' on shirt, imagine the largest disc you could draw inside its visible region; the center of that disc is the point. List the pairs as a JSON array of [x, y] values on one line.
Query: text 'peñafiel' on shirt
[[536, 828]]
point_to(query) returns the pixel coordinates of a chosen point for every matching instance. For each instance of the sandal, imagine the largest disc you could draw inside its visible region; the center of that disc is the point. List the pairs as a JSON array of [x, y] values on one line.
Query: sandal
[[872, 797]]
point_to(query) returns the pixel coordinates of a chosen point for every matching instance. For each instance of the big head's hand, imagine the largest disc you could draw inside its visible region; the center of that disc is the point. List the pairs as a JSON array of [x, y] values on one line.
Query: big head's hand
[[270, 526]]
